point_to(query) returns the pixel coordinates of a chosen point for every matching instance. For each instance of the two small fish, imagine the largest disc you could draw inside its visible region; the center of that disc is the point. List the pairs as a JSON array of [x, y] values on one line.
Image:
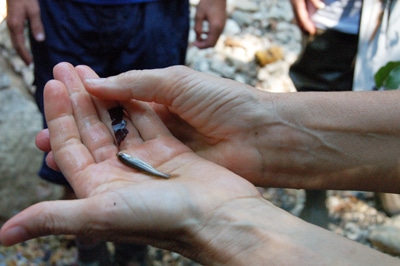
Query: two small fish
[[140, 165]]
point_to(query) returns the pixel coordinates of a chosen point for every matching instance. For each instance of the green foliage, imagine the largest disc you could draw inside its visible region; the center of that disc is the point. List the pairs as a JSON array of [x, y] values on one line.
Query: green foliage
[[388, 76]]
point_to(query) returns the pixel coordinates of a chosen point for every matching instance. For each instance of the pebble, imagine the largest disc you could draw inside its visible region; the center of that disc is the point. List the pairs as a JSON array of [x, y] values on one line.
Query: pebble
[[4, 81]]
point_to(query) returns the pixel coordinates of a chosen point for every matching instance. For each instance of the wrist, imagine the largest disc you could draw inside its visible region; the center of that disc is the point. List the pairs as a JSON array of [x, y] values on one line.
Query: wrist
[[230, 235], [251, 231]]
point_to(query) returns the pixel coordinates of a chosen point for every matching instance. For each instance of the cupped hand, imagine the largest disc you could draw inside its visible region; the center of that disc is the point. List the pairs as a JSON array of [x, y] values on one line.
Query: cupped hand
[[116, 202], [217, 118]]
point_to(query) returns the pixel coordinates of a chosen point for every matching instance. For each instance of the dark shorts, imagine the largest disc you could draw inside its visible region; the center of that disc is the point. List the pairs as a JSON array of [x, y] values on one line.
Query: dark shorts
[[110, 39], [327, 62]]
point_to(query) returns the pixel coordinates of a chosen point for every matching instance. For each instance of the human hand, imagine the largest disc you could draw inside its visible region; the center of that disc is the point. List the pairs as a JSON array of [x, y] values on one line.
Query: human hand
[[115, 202], [270, 139], [18, 13], [301, 11], [206, 212], [213, 12], [217, 118]]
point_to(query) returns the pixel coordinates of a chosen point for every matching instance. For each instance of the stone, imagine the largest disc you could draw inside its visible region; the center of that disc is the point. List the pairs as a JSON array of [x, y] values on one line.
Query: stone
[[242, 18], [270, 55], [231, 27], [386, 237], [390, 203], [20, 121], [4, 81], [245, 5]]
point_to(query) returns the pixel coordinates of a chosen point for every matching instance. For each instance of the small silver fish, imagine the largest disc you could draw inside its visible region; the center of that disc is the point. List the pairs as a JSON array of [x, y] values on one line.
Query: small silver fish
[[140, 165]]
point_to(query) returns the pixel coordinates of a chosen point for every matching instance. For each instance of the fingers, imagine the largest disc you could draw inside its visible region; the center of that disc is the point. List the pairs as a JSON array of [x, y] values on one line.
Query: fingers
[[201, 35], [179, 88], [201, 100], [319, 4], [35, 22], [71, 155], [303, 16], [103, 111], [95, 135], [145, 120], [144, 85], [157, 145], [214, 13], [174, 87], [42, 140], [16, 27], [207, 39], [20, 12]]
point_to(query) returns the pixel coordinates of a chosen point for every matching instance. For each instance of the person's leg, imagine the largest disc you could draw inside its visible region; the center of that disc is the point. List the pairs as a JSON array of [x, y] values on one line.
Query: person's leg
[[69, 39], [315, 210], [161, 41], [130, 255], [145, 36], [326, 63], [63, 43]]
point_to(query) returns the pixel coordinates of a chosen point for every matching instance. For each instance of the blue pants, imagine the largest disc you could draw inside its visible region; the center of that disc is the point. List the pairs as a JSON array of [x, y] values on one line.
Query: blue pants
[[110, 39]]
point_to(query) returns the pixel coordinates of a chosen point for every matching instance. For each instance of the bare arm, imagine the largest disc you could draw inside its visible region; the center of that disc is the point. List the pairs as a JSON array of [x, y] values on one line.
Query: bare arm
[[334, 140], [206, 213], [314, 140]]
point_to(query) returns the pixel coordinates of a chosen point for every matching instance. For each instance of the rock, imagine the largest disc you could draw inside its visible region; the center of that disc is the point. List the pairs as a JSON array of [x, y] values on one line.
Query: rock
[[242, 18], [10, 59], [386, 237], [4, 81], [244, 5], [20, 159], [281, 11], [231, 28], [390, 203], [269, 55], [251, 26], [20, 121]]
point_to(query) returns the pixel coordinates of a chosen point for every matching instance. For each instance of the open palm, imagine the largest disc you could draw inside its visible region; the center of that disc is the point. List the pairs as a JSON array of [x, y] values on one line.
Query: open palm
[[110, 194]]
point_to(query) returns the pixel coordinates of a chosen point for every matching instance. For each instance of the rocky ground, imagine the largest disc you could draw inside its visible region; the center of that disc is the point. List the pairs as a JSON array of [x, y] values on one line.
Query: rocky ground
[[256, 28]]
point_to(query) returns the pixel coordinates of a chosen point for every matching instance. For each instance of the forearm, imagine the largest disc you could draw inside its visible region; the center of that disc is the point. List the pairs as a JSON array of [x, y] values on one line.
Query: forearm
[[253, 232], [331, 140]]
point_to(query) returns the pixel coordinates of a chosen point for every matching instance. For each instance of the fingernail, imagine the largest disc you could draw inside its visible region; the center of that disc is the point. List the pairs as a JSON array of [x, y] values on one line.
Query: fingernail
[[39, 37]]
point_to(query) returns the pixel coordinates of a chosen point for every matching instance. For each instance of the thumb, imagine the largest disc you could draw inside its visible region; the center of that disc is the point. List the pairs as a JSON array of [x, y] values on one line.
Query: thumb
[[45, 218]]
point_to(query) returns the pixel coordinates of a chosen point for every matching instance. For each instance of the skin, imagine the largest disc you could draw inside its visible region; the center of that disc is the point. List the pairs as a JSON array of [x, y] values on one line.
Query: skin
[[335, 140], [19, 12], [207, 212], [212, 12], [302, 14]]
